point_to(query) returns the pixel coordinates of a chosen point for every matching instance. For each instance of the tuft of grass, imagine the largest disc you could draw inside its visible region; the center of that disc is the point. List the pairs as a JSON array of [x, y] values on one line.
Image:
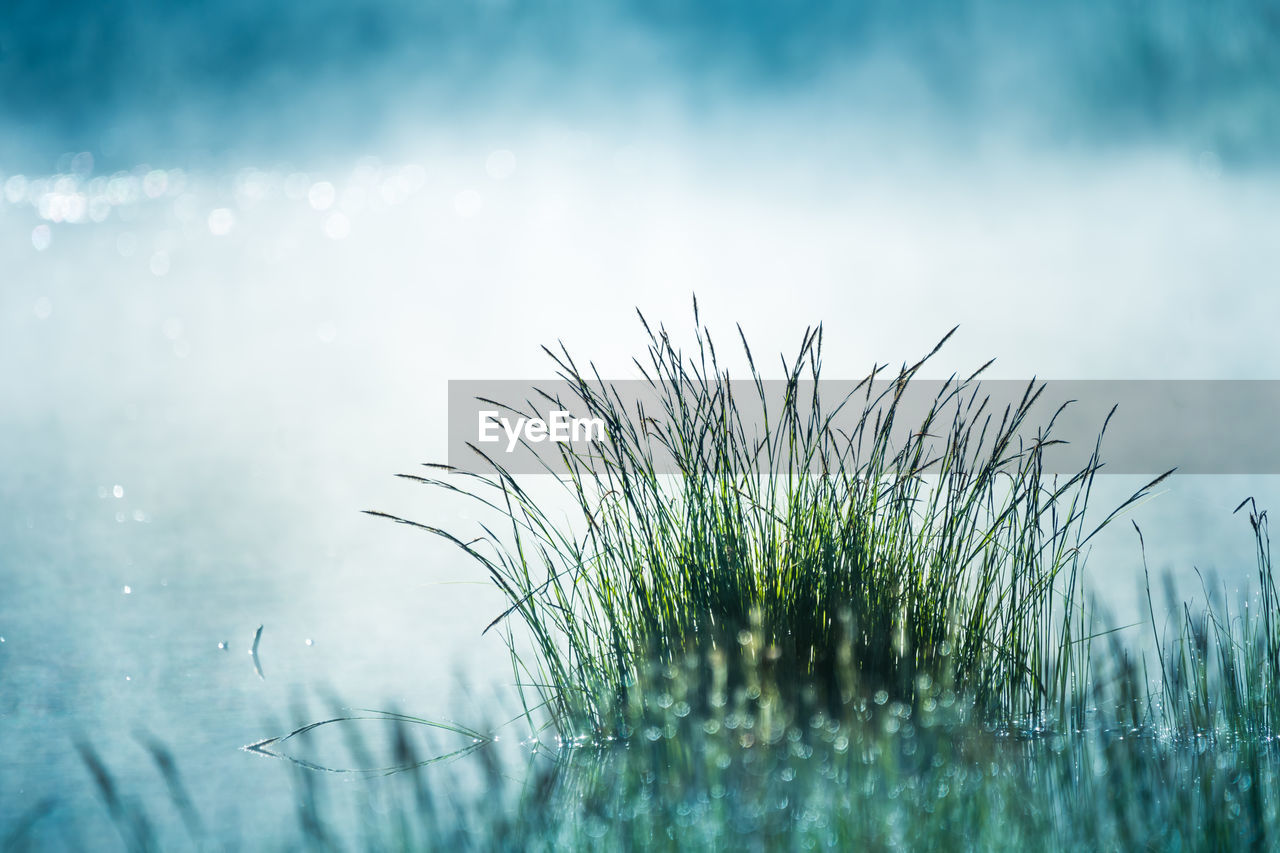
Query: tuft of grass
[[842, 562]]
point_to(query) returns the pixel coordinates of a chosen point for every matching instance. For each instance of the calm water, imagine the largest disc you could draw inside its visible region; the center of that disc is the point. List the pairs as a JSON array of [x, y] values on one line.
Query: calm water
[[224, 325], [208, 375]]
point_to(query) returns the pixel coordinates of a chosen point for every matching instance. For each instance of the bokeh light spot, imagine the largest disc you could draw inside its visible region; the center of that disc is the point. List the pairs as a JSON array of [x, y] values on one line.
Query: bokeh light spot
[[221, 221], [500, 165], [321, 195], [41, 237]]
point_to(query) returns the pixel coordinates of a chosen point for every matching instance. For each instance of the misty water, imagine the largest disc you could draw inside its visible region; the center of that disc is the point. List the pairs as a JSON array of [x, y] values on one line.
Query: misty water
[[209, 384], [222, 332]]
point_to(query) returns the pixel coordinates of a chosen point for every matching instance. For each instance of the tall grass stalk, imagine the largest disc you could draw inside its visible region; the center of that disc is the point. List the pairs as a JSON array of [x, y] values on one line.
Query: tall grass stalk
[[1219, 670]]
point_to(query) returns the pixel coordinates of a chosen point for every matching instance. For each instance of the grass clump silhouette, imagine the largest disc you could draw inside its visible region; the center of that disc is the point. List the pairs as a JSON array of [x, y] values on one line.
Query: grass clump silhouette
[[820, 561]]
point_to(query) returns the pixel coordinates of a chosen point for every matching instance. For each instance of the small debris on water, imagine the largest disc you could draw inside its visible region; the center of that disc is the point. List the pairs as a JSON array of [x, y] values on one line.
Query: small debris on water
[[253, 652]]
